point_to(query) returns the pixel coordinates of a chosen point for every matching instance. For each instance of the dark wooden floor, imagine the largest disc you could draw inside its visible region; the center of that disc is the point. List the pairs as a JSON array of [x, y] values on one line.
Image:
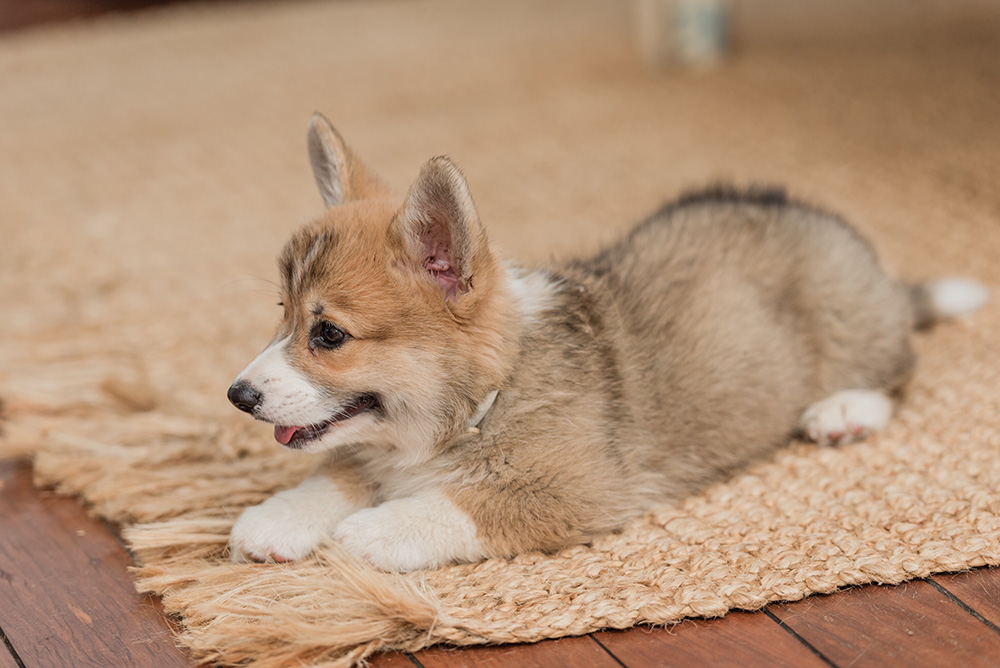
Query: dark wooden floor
[[66, 600]]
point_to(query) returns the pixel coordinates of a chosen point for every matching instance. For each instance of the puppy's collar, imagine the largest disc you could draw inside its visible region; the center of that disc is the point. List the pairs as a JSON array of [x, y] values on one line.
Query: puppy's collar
[[480, 414]]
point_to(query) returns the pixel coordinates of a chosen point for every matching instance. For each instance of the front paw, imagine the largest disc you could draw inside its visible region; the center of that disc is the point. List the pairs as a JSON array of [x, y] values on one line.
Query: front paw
[[410, 534], [376, 535], [273, 531], [289, 525]]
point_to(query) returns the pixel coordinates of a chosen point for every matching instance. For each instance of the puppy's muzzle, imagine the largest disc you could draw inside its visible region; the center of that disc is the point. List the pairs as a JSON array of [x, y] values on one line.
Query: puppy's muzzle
[[244, 396]]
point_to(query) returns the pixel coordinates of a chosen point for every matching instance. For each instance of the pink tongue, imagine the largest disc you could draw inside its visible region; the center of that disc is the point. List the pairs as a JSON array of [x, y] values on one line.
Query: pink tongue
[[284, 434]]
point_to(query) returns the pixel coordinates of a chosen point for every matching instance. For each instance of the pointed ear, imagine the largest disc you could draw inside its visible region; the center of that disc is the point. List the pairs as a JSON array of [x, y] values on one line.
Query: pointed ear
[[341, 177], [440, 223]]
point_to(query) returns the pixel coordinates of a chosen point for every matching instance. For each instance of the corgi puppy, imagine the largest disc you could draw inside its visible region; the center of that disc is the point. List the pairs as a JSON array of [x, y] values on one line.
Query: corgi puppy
[[472, 408]]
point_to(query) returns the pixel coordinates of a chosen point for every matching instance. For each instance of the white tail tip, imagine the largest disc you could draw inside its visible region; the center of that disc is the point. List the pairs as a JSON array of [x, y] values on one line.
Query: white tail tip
[[952, 297]]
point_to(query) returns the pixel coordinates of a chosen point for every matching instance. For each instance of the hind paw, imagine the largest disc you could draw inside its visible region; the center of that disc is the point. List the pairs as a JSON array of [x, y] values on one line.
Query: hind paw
[[846, 417]]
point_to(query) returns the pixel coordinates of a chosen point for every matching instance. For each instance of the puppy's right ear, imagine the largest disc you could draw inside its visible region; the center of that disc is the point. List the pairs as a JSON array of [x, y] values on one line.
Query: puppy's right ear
[[341, 177]]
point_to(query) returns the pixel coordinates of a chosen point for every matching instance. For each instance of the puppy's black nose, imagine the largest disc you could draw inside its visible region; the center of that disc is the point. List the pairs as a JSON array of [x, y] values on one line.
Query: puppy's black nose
[[243, 396]]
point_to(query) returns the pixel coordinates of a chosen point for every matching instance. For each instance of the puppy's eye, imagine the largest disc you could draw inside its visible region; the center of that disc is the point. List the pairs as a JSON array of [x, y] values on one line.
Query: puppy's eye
[[326, 335]]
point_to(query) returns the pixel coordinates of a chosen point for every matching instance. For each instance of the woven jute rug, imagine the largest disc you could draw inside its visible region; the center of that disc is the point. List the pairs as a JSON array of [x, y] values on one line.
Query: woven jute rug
[[152, 166]]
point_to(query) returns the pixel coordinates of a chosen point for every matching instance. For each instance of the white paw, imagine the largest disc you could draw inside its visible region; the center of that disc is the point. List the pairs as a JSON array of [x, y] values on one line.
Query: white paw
[[846, 416], [289, 525], [953, 297], [408, 534]]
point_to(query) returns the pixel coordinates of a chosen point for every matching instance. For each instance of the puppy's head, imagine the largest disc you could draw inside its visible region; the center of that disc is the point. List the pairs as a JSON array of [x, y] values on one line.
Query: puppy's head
[[394, 316]]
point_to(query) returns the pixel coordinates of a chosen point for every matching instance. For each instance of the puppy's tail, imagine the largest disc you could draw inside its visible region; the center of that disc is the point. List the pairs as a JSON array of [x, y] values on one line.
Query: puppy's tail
[[944, 299]]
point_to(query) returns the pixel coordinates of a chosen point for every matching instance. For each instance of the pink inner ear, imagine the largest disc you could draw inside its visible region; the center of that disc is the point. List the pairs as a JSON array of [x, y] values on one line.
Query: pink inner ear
[[437, 260]]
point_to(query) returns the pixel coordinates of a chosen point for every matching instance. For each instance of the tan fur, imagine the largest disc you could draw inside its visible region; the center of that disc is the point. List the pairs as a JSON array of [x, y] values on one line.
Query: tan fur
[[638, 376], [349, 475]]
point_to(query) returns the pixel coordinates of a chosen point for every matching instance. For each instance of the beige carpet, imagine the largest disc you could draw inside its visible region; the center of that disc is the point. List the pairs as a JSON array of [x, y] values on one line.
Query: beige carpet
[[152, 166]]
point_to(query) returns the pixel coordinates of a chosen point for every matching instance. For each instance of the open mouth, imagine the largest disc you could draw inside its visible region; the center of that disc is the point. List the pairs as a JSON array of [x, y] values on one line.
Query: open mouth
[[296, 437]]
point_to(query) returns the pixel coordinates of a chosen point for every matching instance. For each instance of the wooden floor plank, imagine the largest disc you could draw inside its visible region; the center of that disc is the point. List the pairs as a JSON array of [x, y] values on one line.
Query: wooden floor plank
[[911, 625], [979, 589], [578, 652], [391, 660], [6, 660], [66, 598], [745, 639]]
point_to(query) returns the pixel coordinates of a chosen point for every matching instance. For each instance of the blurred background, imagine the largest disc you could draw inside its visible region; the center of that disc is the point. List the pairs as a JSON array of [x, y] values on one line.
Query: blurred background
[[152, 157]]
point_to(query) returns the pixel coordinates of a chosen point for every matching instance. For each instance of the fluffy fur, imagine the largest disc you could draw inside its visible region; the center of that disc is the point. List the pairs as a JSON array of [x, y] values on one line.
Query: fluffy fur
[[474, 408]]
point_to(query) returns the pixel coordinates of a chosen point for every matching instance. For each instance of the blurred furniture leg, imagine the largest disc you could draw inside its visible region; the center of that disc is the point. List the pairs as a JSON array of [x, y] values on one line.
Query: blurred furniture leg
[[689, 32]]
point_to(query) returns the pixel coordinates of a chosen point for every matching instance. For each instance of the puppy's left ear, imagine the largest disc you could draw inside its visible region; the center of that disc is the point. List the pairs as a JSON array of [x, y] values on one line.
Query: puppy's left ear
[[442, 230], [340, 175]]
